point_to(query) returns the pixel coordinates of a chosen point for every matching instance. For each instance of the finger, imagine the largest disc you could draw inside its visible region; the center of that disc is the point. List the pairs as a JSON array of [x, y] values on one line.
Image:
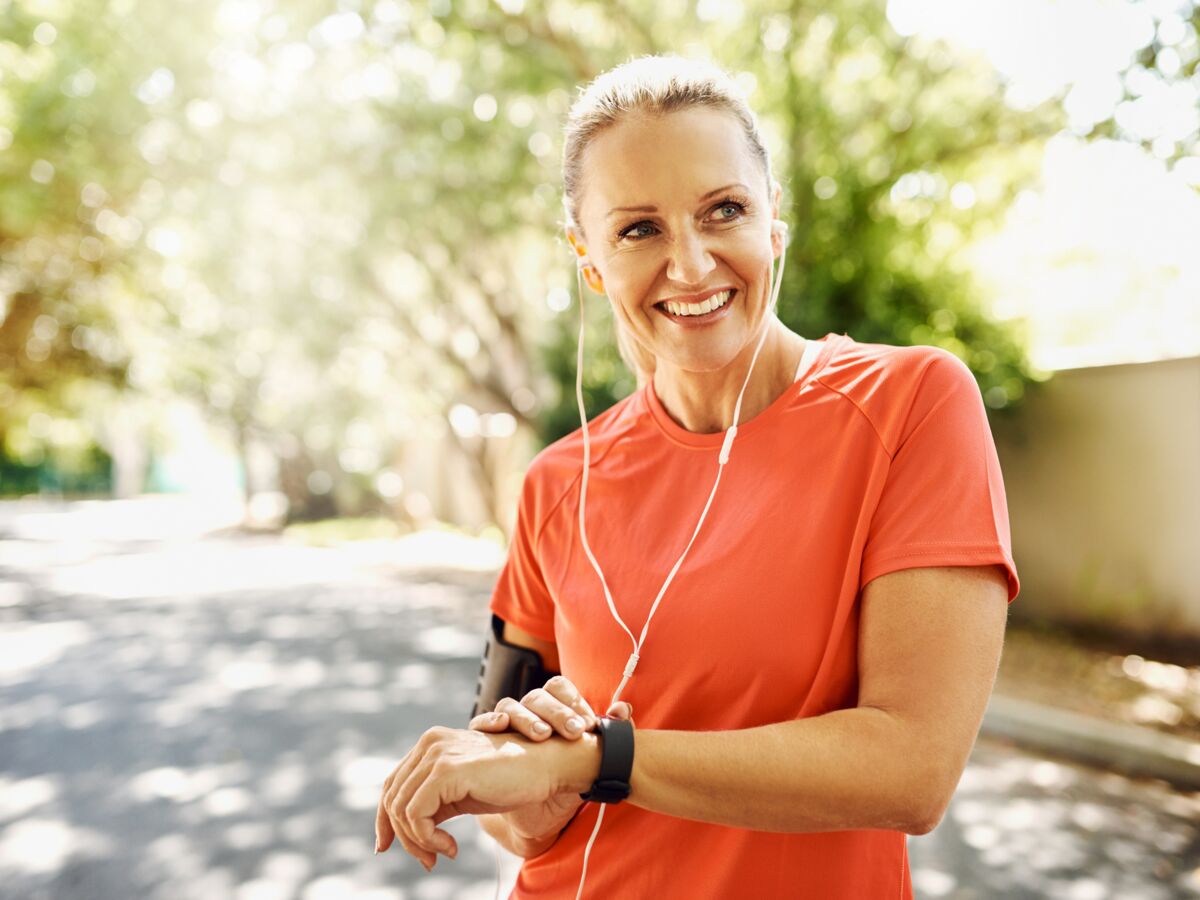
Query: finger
[[427, 857], [490, 722], [422, 815], [563, 689], [383, 827], [561, 717], [622, 709], [399, 808], [524, 720], [424, 856], [384, 833]]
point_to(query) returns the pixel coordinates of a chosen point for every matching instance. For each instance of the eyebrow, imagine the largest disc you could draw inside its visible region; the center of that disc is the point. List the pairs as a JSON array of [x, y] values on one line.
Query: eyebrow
[[617, 209]]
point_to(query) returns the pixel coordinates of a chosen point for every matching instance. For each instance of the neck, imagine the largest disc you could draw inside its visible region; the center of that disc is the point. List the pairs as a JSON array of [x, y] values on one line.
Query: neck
[[703, 402]]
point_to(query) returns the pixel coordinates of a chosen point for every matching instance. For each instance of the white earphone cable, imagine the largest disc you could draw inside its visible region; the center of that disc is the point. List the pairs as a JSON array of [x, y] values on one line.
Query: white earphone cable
[[723, 458]]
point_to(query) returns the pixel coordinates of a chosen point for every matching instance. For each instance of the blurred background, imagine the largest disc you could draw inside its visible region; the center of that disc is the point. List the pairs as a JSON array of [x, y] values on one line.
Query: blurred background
[[285, 310]]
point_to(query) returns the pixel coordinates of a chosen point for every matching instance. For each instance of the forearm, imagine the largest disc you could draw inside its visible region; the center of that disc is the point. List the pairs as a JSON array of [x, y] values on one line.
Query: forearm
[[526, 848], [848, 769]]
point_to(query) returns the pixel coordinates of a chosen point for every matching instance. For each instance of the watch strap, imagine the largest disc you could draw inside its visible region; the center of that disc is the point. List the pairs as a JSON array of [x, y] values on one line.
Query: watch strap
[[616, 761]]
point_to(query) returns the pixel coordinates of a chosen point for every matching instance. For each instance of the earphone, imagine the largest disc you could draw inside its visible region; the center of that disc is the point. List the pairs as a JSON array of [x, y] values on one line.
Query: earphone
[[778, 226]]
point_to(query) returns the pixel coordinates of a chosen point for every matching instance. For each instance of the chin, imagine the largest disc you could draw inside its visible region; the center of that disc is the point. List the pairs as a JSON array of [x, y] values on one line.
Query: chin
[[702, 362]]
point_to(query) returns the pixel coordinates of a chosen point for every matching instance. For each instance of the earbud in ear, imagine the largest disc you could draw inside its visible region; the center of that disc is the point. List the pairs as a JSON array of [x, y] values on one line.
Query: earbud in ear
[[584, 263], [780, 228]]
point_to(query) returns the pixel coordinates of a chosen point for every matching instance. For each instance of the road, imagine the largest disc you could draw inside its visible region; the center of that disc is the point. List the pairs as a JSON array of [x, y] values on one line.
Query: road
[[189, 714]]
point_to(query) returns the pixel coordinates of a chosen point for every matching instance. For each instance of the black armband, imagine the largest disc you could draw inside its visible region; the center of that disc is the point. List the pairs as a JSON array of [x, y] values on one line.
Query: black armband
[[506, 671]]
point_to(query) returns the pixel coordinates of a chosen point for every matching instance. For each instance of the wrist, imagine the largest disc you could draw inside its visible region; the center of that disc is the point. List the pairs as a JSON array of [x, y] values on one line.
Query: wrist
[[579, 763], [612, 782]]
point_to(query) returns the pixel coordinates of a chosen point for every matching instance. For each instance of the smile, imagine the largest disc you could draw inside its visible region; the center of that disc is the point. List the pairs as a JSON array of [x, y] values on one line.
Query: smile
[[699, 311]]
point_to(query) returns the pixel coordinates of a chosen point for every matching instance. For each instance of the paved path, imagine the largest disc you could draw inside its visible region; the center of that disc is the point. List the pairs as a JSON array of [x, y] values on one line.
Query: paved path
[[211, 717]]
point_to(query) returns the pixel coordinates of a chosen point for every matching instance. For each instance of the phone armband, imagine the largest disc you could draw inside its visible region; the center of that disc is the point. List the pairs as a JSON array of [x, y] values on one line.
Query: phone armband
[[506, 670]]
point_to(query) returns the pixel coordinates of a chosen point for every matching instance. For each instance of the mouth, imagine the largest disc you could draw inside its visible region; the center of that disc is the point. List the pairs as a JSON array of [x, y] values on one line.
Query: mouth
[[712, 308]]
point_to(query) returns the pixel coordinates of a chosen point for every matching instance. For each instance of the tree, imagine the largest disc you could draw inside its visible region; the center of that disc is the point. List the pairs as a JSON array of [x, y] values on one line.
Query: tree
[[339, 231]]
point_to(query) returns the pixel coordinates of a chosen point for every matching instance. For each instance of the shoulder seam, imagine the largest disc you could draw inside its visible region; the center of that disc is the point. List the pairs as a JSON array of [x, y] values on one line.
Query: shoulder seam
[[861, 412], [911, 400], [541, 526]]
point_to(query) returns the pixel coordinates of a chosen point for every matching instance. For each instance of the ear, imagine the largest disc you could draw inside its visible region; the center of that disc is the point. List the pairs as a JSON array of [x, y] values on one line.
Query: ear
[[583, 261], [778, 235]]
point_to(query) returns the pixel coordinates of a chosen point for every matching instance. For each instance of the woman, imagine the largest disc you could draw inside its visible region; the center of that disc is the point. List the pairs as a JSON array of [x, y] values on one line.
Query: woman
[[822, 653]]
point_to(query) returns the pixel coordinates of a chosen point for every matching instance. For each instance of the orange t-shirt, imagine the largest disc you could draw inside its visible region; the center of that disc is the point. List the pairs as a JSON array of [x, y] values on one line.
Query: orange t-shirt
[[876, 458]]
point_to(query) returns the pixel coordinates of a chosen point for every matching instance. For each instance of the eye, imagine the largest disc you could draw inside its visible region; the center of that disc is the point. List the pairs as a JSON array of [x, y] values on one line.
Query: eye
[[738, 207], [625, 232], [729, 203]]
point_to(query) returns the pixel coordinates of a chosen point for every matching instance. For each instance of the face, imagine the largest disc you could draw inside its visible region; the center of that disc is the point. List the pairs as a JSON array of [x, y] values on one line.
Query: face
[[702, 227]]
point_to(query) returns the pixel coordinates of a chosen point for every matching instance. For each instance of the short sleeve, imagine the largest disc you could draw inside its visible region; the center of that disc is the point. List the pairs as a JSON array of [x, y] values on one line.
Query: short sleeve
[[521, 596], [943, 501]]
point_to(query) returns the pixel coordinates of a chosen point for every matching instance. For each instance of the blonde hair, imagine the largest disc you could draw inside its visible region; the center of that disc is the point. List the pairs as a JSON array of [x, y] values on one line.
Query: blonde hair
[[654, 85]]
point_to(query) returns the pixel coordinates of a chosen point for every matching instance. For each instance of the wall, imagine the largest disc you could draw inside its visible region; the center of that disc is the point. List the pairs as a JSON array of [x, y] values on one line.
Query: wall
[[1102, 473]]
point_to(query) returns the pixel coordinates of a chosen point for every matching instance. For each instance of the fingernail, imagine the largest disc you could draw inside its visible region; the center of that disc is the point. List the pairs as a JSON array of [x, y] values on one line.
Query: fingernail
[[541, 727], [575, 724]]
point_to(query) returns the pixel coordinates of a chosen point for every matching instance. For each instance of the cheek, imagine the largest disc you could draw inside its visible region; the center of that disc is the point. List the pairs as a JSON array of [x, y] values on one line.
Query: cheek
[[761, 257], [631, 288]]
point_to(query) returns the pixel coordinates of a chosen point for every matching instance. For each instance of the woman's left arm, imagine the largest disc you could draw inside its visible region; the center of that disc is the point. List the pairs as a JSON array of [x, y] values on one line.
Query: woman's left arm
[[929, 647]]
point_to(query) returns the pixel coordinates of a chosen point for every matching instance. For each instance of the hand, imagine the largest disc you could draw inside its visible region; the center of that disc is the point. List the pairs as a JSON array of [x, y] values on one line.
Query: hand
[[557, 708], [552, 708], [453, 772]]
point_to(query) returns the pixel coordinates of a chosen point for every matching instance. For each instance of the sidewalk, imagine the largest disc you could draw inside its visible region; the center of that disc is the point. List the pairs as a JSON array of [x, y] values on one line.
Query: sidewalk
[[1054, 693]]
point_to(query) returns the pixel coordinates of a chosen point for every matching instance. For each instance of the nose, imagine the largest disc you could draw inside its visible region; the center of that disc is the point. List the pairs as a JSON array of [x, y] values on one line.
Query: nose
[[689, 261]]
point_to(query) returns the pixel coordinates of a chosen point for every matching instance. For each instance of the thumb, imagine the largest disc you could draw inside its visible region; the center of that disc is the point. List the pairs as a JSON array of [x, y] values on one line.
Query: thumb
[[622, 709]]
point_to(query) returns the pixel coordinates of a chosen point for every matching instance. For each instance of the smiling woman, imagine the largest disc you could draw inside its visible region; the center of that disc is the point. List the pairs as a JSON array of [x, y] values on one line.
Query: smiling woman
[[814, 647], [663, 238]]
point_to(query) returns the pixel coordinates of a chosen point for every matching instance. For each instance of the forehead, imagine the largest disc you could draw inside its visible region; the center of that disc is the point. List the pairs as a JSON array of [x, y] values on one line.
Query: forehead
[[665, 160]]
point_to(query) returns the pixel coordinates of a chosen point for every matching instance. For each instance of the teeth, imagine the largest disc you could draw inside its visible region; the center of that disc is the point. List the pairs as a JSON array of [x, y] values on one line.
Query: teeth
[[716, 301]]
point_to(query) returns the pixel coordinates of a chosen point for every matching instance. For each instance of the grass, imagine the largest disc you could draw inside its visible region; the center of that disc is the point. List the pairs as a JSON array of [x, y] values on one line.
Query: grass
[[330, 532], [1055, 667]]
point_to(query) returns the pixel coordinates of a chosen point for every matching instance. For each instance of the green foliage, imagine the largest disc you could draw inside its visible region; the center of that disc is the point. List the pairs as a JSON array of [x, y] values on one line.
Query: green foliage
[[898, 154], [86, 473], [68, 166], [606, 380], [894, 153], [338, 229]]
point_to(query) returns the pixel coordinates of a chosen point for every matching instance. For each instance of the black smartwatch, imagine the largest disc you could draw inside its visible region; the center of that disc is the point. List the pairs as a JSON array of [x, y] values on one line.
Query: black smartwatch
[[616, 761]]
